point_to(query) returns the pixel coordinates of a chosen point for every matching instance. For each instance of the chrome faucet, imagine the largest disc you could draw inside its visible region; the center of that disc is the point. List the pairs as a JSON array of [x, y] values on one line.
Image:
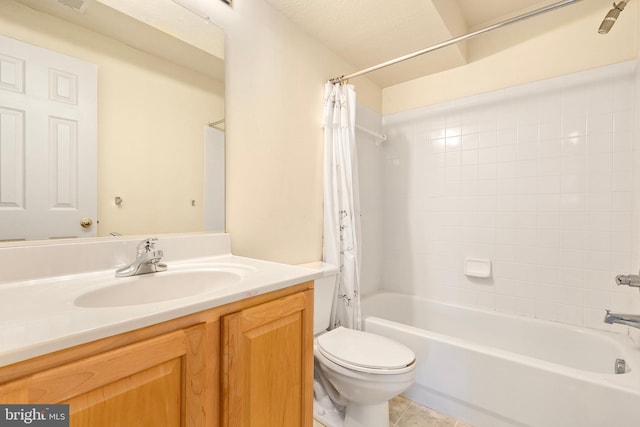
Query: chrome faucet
[[632, 320], [147, 260]]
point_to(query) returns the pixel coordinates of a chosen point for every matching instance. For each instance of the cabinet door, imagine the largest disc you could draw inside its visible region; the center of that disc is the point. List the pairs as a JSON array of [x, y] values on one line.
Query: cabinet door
[[267, 371], [157, 382]]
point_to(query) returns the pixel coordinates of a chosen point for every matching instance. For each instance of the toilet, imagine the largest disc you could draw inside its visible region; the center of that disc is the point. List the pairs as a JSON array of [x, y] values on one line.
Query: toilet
[[360, 370]]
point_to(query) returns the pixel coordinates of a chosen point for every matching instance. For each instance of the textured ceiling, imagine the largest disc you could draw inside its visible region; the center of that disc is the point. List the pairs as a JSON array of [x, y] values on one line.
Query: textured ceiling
[[369, 32]]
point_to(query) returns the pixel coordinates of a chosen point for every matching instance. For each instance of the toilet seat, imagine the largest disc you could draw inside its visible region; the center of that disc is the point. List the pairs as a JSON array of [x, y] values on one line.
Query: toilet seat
[[365, 352]]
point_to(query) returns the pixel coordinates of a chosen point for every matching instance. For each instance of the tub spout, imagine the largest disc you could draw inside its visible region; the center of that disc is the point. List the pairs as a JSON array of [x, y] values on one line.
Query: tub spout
[[632, 320]]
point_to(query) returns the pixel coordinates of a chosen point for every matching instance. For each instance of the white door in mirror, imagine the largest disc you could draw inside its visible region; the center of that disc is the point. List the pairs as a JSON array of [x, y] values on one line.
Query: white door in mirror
[[48, 143]]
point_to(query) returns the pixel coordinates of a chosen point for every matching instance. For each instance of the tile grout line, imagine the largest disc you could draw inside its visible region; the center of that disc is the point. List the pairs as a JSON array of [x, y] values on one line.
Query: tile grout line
[[399, 422]]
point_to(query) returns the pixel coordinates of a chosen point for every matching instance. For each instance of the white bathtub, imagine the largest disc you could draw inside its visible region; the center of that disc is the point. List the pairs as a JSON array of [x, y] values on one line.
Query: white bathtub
[[491, 369]]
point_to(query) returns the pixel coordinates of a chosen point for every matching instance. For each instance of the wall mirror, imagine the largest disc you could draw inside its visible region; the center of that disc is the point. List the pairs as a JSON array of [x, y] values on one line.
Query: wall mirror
[[158, 163]]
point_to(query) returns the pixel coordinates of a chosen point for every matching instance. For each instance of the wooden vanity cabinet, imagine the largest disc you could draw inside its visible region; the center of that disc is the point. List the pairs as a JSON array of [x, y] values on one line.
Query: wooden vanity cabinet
[[154, 382], [248, 363], [266, 377]]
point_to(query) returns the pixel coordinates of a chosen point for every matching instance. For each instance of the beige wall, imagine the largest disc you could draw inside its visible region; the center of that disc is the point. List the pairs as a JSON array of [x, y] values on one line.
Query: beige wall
[[274, 84], [151, 118], [566, 41]]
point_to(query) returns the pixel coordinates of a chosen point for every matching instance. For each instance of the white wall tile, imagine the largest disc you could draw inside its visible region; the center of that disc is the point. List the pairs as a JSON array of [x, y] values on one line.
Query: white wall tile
[[600, 123], [487, 138], [623, 141], [548, 219], [623, 120], [549, 165], [595, 279], [539, 178], [573, 315], [574, 126], [598, 202], [547, 311], [525, 307]]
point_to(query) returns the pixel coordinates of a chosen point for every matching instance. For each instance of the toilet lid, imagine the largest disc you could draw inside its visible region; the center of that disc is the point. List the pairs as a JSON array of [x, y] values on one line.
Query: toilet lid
[[364, 349]]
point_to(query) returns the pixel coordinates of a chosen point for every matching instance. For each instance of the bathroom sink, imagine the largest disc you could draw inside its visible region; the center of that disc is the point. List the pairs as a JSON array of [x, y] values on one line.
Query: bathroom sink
[[158, 287]]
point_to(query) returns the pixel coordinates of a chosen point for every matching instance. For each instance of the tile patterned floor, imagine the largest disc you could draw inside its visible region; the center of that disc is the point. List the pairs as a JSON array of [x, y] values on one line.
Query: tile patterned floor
[[405, 413]]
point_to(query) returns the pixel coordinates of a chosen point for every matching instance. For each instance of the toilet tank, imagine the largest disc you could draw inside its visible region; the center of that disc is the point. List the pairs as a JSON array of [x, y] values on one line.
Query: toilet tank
[[324, 287]]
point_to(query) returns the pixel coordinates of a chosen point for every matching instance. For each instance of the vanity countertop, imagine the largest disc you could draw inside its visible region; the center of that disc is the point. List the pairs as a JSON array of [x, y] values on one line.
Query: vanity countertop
[[41, 315]]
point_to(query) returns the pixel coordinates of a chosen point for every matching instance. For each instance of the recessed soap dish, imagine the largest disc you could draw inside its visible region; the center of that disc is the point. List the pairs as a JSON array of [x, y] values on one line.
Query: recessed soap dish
[[475, 267]]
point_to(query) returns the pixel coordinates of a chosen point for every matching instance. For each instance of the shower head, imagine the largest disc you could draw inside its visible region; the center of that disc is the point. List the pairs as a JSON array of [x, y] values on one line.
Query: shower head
[[611, 17]]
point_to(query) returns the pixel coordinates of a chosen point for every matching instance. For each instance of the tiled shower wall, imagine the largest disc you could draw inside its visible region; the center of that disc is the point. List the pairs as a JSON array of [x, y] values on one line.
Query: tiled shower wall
[[538, 179]]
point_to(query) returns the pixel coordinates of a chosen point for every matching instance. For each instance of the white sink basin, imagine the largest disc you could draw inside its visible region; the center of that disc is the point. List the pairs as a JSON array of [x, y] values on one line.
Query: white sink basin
[[175, 283]]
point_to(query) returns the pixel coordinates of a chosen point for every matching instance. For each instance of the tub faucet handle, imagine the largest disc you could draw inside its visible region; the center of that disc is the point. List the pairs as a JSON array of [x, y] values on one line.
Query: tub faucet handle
[[628, 280]]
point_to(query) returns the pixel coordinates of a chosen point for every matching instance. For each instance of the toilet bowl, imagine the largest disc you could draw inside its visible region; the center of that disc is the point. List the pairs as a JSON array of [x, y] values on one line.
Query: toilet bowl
[[365, 369]]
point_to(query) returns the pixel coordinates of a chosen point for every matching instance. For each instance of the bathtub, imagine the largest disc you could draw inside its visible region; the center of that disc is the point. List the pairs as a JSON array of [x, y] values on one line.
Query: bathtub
[[491, 370]]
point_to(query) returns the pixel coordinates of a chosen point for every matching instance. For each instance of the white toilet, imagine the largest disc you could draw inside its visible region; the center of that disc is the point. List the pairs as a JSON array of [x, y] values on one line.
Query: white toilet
[[367, 370]]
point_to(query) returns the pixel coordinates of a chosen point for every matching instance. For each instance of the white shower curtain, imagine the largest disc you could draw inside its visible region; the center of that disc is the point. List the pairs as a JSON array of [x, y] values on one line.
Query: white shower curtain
[[341, 201]]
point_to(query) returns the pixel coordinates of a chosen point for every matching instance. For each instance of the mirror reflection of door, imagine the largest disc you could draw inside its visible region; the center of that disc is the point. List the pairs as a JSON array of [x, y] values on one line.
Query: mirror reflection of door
[[48, 143]]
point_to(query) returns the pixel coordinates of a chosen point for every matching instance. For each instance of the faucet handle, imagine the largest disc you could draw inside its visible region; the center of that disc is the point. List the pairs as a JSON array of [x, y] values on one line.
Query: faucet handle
[[147, 245], [628, 280]]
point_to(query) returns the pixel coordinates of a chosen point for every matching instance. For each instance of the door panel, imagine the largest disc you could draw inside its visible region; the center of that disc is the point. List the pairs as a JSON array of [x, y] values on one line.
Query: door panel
[[48, 143]]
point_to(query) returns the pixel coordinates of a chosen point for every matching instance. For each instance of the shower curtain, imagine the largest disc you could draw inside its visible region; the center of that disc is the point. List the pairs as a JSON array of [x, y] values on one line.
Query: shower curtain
[[341, 231]]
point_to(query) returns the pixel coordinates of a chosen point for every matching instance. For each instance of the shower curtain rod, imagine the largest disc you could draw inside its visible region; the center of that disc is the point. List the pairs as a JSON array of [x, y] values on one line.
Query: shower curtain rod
[[456, 40], [380, 137], [216, 123]]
